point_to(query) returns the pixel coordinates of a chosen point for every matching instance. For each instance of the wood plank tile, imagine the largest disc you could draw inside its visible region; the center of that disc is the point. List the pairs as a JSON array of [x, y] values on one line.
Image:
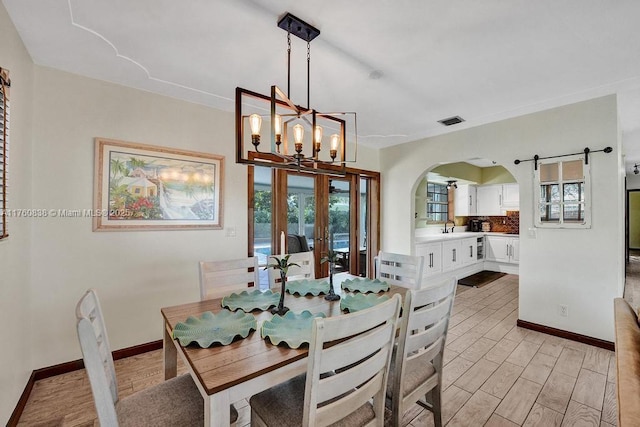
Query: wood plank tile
[[516, 404], [516, 334], [580, 415], [523, 354], [610, 406], [453, 399], [475, 376], [501, 381], [497, 421], [455, 368], [501, 350], [589, 389], [550, 348], [541, 416], [539, 368], [570, 361], [556, 392], [478, 349], [448, 355], [476, 411], [597, 360], [465, 340], [611, 375], [535, 337]]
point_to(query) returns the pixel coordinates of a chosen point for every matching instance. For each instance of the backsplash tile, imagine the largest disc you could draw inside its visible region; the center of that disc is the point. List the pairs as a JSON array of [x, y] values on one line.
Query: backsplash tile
[[500, 224]]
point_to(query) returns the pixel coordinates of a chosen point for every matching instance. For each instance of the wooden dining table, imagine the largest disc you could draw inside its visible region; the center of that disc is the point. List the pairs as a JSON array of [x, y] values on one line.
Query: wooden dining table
[[228, 373]]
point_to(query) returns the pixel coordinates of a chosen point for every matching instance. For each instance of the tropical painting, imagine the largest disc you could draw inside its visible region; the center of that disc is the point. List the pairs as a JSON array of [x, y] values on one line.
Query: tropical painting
[[142, 186]]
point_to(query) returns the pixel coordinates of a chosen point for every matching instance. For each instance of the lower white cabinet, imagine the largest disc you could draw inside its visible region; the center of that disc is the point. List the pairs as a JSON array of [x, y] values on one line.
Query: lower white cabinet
[[503, 249], [458, 253], [432, 253]]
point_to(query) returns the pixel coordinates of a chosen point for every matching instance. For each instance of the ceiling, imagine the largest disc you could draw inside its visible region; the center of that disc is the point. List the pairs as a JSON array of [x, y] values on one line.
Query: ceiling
[[401, 65]]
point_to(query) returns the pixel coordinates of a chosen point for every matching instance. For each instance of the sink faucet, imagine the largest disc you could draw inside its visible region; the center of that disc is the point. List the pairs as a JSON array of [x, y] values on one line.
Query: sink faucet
[[445, 226]]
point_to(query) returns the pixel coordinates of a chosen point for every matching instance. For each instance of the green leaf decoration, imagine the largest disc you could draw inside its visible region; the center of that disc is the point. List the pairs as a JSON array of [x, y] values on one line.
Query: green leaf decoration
[[249, 301], [365, 285], [357, 302], [292, 329], [314, 287], [211, 328]]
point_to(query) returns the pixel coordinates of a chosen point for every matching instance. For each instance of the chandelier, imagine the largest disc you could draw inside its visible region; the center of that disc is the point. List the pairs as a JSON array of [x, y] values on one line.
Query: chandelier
[[297, 136]]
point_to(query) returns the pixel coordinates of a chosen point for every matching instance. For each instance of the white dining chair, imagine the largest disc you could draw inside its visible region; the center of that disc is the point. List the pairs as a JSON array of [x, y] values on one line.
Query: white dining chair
[[175, 402], [398, 269], [416, 371], [347, 369], [306, 269], [220, 278]]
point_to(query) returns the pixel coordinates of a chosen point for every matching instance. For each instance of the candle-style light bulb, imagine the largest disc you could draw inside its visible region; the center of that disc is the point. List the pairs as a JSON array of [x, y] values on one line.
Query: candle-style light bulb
[[317, 138], [335, 142], [277, 124], [255, 123], [298, 134]]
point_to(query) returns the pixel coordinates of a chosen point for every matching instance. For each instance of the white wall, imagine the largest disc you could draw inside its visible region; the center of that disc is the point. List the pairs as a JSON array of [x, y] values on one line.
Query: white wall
[[15, 363], [136, 273], [581, 268]]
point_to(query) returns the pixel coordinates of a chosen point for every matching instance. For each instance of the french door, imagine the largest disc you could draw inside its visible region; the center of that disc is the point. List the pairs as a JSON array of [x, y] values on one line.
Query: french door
[[316, 211]]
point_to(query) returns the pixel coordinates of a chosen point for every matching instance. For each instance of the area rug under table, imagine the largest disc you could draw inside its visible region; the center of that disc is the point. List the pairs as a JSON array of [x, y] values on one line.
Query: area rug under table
[[481, 278]]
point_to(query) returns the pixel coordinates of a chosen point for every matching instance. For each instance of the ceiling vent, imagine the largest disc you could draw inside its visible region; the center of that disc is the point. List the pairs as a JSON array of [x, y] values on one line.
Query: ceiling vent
[[451, 121]]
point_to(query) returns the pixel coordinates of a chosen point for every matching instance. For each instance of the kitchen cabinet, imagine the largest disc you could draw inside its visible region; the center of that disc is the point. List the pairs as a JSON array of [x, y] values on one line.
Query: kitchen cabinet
[[511, 197], [468, 251], [464, 200], [432, 253], [458, 253], [503, 249], [450, 255], [489, 200], [496, 200]]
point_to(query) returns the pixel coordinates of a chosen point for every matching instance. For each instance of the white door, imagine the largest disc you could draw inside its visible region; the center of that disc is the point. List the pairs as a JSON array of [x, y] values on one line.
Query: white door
[[468, 251], [450, 255], [464, 200], [432, 254], [498, 248], [515, 250], [489, 200]]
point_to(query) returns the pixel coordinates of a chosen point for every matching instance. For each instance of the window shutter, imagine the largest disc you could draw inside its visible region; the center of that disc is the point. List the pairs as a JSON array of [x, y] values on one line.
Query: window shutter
[[4, 149]]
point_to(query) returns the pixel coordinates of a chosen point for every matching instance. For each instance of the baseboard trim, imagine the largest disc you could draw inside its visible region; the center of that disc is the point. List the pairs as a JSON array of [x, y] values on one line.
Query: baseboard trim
[[65, 368], [596, 342]]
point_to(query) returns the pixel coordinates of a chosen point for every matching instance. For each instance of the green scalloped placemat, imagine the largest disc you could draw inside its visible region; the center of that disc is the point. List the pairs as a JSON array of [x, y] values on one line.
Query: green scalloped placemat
[[249, 301], [357, 302], [211, 328], [314, 287], [365, 285], [294, 329]]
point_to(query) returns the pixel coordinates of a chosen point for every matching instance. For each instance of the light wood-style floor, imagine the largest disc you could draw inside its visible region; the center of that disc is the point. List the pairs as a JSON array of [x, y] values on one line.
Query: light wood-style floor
[[496, 374]]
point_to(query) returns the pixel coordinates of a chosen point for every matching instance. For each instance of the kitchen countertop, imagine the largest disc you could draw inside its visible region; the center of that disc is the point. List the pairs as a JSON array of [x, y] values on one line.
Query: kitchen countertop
[[438, 237]]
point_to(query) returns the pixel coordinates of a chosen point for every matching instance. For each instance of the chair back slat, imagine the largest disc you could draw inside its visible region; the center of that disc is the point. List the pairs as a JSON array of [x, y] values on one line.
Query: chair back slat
[[400, 270], [220, 278], [360, 369], [425, 337], [97, 356], [306, 269], [423, 333]]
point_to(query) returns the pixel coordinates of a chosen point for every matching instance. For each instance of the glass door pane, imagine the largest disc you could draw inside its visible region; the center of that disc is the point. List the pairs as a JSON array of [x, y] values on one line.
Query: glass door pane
[[362, 238], [301, 212], [340, 221]]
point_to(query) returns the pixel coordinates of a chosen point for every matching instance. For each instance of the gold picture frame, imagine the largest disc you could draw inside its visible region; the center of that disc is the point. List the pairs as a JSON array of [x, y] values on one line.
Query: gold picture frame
[[147, 187]]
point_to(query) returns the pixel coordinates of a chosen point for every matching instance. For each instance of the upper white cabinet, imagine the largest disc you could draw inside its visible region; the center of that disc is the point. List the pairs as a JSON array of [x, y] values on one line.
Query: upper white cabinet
[[497, 199], [489, 200], [465, 200], [511, 196]]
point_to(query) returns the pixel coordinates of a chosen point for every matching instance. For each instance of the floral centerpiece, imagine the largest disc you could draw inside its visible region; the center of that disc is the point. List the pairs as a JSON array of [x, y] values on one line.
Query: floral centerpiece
[[283, 265], [331, 258]]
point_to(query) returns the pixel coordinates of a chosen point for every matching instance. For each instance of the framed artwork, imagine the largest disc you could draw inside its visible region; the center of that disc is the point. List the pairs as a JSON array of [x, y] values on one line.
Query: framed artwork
[[146, 187]]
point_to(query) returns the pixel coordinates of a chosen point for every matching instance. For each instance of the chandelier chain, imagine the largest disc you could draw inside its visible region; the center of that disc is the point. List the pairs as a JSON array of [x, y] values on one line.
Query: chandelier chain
[[308, 74]]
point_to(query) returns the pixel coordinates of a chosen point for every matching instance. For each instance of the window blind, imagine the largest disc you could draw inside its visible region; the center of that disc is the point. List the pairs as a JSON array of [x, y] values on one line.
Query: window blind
[[4, 149]]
